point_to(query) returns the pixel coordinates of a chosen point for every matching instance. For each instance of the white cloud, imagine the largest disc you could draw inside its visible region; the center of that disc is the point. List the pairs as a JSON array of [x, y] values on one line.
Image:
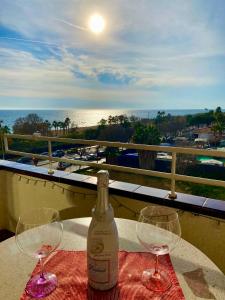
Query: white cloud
[[153, 28], [153, 43], [54, 79], [175, 81]]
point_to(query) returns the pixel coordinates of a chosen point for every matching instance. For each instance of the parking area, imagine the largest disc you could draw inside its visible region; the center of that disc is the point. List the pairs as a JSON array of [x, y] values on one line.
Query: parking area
[[89, 154], [66, 166]]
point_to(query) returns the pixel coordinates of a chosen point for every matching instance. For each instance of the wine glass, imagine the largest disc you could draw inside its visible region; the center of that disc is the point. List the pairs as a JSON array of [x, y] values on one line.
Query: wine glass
[[39, 233], [158, 230]]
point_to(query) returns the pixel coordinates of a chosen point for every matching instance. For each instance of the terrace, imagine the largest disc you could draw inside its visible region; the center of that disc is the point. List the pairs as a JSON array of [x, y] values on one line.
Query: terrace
[[73, 194]]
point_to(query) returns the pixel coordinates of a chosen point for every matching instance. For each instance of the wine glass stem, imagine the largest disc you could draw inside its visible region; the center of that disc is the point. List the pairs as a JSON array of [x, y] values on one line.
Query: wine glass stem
[[42, 268], [156, 273]]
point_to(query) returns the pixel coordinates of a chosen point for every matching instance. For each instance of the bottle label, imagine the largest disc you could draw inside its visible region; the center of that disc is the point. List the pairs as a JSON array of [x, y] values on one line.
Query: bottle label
[[99, 270]]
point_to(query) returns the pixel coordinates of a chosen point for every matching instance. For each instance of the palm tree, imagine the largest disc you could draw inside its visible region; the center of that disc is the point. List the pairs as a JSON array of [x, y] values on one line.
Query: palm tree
[[148, 135], [55, 125], [64, 127], [60, 126], [67, 123], [47, 126]]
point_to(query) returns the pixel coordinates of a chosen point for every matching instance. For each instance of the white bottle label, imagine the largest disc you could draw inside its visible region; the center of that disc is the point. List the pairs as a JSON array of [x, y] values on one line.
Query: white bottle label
[[99, 270]]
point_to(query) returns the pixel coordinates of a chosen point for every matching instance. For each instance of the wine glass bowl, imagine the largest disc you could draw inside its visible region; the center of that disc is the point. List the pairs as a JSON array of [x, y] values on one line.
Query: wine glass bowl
[[39, 233], [158, 230]]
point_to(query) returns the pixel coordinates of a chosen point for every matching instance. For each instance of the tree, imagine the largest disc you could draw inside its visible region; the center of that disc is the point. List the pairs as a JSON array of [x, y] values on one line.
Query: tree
[[115, 133], [91, 134], [133, 120], [219, 123], [110, 120], [161, 116], [67, 124], [60, 126], [170, 125], [46, 127], [28, 125], [55, 125], [102, 123], [149, 135], [124, 121], [64, 127], [201, 119]]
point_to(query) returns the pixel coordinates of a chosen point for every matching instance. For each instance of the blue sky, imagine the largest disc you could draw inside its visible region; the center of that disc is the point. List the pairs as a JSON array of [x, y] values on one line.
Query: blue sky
[[153, 54]]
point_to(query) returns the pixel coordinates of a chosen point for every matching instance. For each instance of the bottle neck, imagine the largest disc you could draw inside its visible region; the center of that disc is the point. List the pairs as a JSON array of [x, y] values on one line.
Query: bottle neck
[[102, 204]]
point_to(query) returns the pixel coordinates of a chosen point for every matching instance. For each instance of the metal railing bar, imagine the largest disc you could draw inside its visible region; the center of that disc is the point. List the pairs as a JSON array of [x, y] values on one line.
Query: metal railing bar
[[50, 171], [135, 171], [181, 150], [199, 180], [171, 176], [172, 193], [94, 165], [177, 177]]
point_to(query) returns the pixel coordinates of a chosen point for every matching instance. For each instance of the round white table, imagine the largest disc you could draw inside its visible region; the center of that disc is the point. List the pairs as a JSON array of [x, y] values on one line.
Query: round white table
[[16, 267]]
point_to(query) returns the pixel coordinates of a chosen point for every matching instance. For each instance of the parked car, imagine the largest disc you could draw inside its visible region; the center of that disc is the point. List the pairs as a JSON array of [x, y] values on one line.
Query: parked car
[[58, 153], [92, 156], [101, 153], [63, 165], [89, 157], [77, 157], [25, 160], [44, 153]]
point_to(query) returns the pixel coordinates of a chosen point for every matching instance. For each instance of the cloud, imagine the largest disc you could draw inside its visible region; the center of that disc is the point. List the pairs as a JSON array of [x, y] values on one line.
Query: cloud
[[176, 82], [147, 46], [155, 28], [52, 78]]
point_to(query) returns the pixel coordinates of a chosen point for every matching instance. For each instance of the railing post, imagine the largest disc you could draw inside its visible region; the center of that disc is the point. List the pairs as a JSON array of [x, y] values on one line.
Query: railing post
[[2, 145], [5, 146], [6, 143], [172, 194], [50, 170]]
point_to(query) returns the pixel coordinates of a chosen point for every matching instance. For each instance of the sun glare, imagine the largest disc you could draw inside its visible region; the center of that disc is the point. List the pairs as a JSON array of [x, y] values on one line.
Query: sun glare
[[96, 23]]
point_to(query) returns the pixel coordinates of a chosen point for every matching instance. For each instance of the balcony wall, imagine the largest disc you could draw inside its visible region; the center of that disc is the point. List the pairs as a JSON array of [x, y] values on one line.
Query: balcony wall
[[21, 192]]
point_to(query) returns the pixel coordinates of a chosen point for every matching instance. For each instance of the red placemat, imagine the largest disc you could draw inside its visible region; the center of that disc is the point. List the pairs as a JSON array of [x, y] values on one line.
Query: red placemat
[[71, 271]]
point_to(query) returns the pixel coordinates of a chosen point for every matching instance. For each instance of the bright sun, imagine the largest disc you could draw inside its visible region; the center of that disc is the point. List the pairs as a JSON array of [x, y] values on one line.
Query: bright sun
[[96, 23]]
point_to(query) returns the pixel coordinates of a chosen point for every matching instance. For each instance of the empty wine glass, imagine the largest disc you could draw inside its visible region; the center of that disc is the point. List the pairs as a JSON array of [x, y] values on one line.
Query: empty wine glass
[[39, 233], [158, 230]]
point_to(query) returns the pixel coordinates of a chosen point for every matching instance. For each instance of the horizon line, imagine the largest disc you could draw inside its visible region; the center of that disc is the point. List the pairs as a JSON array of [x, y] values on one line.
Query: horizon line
[[129, 109]]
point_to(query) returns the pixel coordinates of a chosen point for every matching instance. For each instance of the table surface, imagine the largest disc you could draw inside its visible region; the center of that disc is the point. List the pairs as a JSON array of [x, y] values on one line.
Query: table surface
[[16, 267]]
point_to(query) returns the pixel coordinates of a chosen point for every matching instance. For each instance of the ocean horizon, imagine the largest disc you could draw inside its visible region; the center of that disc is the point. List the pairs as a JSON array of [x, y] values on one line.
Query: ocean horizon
[[85, 117]]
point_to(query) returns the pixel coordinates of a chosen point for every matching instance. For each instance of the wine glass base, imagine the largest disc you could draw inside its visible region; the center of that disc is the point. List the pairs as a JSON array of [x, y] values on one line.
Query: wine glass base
[[159, 282], [40, 287]]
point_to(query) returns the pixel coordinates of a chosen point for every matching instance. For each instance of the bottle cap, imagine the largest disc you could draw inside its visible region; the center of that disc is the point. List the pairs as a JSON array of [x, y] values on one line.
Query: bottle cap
[[103, 178]]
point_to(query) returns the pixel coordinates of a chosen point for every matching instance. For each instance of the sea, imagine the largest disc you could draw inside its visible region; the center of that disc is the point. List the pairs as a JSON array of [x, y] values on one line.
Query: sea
[[85, 117]]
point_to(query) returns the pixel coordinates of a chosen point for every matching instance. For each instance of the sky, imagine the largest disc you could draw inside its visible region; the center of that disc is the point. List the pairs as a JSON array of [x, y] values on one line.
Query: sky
[[153, 54]]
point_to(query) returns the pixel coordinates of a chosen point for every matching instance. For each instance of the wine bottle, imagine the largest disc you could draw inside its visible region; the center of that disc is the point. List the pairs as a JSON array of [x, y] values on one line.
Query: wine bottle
[[102, 240]]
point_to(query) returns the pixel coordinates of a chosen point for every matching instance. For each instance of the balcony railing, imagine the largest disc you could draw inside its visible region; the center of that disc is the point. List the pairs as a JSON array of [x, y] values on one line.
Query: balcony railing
[[172, 176]]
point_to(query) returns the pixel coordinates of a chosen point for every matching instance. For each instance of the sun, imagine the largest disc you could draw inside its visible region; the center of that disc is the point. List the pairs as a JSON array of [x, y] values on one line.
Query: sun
[[96, 23]]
